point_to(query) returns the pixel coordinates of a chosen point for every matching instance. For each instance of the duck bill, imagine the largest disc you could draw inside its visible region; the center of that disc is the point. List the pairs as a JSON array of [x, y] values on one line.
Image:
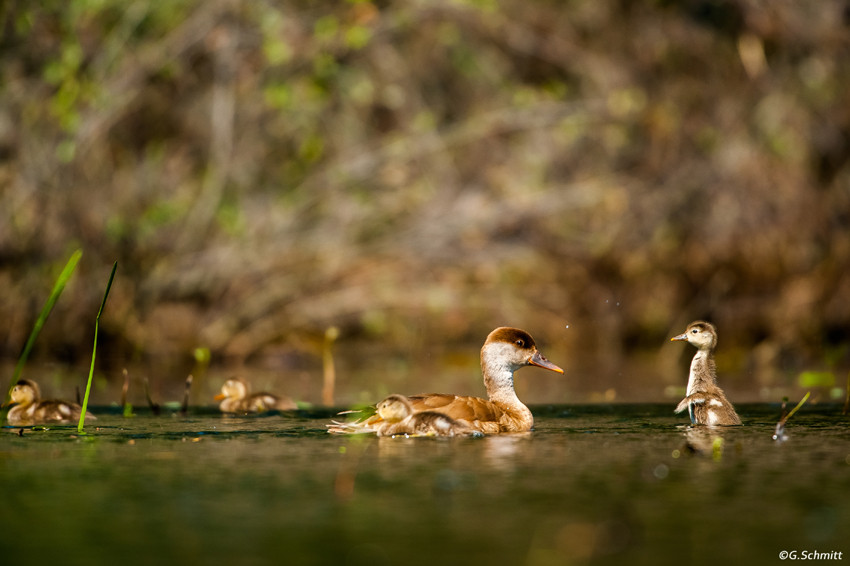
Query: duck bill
[[538, 360], [219, 397], [680, 337]]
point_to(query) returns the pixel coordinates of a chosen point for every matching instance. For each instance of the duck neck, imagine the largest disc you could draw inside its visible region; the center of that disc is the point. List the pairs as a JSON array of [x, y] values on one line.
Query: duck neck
[[703, 375], [499, 381]]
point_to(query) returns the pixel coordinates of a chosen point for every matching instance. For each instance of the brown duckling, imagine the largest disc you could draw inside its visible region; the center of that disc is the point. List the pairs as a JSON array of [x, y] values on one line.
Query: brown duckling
[[504, 352], [236, 397], [29, 409], [397, 417], [705, 401]]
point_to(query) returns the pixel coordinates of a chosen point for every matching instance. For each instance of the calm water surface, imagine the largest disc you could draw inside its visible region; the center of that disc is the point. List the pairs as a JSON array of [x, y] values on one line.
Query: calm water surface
[[591, 485]]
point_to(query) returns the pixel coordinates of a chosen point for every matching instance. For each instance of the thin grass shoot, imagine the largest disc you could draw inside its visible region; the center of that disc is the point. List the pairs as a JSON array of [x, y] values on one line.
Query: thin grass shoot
[[94, 349]]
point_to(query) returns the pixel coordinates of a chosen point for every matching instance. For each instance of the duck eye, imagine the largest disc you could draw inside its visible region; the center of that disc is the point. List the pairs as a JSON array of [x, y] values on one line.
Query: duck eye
[[520, 343], [695, 331]]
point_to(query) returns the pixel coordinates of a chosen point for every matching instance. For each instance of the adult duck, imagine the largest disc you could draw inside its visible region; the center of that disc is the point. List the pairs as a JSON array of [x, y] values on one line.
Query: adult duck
[[705, 401], [504, 352]]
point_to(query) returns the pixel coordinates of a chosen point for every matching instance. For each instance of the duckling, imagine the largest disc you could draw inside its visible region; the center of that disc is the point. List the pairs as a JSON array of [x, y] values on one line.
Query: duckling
[[235, 397], [504, 352], [705, 401], [397, 417], [29, 409]]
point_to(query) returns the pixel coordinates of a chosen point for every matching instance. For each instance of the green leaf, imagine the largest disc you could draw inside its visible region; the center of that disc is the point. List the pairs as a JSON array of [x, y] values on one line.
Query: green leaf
[[58, 287]]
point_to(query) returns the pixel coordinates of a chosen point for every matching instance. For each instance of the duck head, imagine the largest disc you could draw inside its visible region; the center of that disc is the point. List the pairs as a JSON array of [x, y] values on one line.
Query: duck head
[[701, 334], [514, 348]]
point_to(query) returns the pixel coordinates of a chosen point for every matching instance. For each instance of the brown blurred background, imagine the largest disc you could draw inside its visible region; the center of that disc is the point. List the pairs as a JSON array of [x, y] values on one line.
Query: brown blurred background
[[417, 173]]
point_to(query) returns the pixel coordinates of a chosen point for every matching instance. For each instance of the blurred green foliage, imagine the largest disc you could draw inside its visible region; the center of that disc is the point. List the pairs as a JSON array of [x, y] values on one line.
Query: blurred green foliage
[[425, 171]]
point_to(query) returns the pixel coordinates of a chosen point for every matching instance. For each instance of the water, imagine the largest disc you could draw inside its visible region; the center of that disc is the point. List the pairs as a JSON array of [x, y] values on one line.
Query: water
[[596, 484]]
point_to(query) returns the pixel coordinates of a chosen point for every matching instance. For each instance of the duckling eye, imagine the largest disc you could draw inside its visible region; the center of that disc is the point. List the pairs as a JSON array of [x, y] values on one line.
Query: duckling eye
[[520, 342], [694, 331]]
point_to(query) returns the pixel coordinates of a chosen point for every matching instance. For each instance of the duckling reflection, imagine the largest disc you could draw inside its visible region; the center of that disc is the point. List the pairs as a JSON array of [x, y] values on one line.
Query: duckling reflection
[[703, 441], [29, 409], [236, 397], [397, 417]]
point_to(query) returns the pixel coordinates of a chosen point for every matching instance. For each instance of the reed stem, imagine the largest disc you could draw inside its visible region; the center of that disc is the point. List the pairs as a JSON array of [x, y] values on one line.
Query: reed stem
[[94, 349]]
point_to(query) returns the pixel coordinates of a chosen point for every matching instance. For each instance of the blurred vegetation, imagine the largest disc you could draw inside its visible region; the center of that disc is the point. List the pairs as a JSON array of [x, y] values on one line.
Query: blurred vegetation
[[416, 173]]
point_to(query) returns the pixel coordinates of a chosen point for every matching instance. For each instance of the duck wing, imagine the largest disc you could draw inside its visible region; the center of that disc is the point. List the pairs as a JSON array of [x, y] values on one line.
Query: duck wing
[[58, 412], [261, 402], [709, 408], [480, 414]]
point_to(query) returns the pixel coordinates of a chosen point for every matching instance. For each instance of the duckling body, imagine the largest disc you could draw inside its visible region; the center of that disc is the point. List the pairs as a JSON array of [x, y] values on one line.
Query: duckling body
[[396, 416], [29, 409], [236, 397], [705, 401], [505, 351]]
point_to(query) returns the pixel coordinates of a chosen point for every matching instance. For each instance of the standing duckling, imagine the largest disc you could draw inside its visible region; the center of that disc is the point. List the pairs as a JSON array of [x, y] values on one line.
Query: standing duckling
[[395, 416], [705, 401], [235, 397], [29, 409]]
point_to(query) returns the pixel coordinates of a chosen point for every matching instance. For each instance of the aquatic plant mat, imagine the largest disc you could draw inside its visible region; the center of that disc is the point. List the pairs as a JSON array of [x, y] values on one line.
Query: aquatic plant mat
[[597, 484]]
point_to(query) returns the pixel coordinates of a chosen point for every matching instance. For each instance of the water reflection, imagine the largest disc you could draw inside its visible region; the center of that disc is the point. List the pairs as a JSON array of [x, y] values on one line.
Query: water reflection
[[703, 440], [502, 452], [592, 485]]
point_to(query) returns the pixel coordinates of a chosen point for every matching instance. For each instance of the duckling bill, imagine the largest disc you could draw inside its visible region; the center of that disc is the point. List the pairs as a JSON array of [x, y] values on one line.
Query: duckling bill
[[705, 401]]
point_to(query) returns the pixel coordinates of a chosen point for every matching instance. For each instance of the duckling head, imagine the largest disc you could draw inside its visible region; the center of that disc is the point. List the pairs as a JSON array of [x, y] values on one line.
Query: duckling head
[[24, 392], [233, 388], [699, 333], [394, 408]]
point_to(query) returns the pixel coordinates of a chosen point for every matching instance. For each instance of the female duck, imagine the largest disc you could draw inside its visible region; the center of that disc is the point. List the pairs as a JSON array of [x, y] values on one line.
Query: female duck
[[29, 409], [504, 352], [705, 401], [235, 397]]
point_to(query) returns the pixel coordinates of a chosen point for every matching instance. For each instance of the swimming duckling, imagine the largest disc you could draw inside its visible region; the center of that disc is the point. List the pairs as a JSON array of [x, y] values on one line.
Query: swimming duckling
[[235, 397], [397, 417], [29, 409], [505, 351], [705, 401]]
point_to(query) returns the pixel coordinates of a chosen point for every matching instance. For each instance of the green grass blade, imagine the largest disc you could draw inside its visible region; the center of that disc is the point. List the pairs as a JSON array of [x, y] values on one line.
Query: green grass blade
[[800, 404], [58, 287], [94, 349]]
